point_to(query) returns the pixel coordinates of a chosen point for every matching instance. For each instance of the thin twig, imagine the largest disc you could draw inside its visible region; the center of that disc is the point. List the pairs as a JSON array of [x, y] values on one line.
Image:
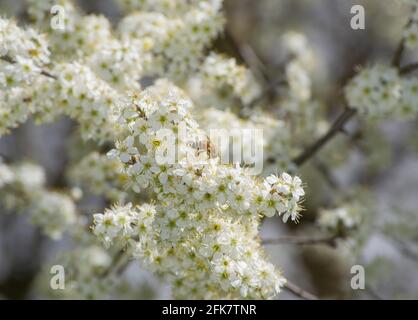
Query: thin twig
[[396, 61], [7, 59], [297, 291], [47, 74], [408, 68], [329, 240], [337, 126], [43, 72]]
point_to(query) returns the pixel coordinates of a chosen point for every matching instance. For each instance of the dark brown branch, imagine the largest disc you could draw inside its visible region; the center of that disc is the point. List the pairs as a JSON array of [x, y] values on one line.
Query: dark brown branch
[[43, 72], [396, 61], [408, 69], [337, 126], [7, 59], [47, 74], [299, 292], [329, 240]]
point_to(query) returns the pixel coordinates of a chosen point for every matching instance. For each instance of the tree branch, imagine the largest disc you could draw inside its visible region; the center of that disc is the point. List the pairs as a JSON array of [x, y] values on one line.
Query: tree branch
[[43, 72], [297, 291], [408, 68], [337, 126], [396, 61]]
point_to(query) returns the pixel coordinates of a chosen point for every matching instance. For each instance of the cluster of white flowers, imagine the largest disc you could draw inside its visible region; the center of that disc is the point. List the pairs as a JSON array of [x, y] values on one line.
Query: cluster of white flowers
[[22, 188], [89, 38], [23, 54], [6, 175], [18, 184], [350, 223], [156, 119], [13, 109], [348, 217], [379, 91], [80, 35], [100, 175], [114, 63], [77, 92], [149, 31], [226, 80], [289, 188], [201, 256], [174, 33], [54, 212], [204, 228], [80, 94], [343, 218], [116, 225], [300, 56]]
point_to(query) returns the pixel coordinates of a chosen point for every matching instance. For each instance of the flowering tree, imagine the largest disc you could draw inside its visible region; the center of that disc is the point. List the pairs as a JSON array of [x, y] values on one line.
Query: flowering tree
[[145, 93]]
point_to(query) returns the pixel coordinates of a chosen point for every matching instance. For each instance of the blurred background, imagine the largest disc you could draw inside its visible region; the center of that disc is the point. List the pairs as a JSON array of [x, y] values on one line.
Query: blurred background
[[380, 158]]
